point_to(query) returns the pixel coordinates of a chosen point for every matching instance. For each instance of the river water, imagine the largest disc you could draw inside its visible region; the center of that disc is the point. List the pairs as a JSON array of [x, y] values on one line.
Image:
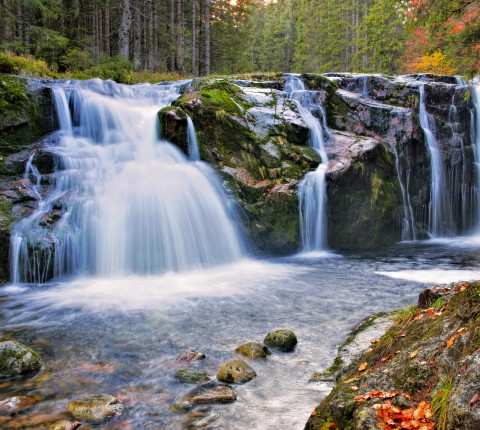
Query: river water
[[121, 335]]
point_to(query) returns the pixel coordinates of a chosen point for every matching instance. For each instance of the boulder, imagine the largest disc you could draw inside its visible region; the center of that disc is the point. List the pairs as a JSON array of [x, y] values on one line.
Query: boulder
[[284, 340], [95, 407], [17, 359], [236, 371], [253, 350], [208, 394], [65, 425], [188, 376]]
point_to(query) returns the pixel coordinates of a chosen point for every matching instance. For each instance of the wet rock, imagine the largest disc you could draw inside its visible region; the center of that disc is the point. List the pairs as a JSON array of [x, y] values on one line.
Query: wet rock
[[17, 359], [427, 297], [208, 394], [190, 355], [188, 376], [65, 425], [253, 350], [236, 371], [284, 340], [14, 405], [95, 407]]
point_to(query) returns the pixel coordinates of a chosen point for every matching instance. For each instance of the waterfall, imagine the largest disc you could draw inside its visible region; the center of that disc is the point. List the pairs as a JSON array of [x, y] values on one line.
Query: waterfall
[[123, 201], [193, 152], [365, 87], [312, 190], [440, 215], [408, 222], [476, 127]]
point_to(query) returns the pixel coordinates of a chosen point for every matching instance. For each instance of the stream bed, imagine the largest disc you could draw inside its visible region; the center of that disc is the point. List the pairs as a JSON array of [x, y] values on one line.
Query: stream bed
[[122, 336]]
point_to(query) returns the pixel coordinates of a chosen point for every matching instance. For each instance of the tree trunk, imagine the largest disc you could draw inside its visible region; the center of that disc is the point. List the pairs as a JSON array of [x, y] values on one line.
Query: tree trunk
[[194, 38], [137, 38], [207, 37], [172, 35], [180, 42], [126, 23], [106, 28]]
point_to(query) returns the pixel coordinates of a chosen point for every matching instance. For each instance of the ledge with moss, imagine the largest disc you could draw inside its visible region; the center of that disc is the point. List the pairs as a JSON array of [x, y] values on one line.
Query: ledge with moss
[[428, 355]]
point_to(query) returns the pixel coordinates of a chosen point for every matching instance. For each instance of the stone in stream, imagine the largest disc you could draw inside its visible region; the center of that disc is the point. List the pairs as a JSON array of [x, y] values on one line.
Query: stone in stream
[[236, 371], [95, 407], [207, 394], [284, 340], [17, 359], [253, 350], [190, 355], [65, 425], [14, 405], [189, 376]]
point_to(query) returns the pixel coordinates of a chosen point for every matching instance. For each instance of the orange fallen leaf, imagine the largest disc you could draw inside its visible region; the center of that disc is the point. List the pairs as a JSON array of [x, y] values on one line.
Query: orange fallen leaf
[[450, 341], [354, 388], [314, 413], [362, 366], [386, 358], [414, 354], [331, 424]]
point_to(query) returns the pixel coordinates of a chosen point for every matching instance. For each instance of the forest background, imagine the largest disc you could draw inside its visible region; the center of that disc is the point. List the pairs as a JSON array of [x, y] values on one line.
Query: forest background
[[150, 40]]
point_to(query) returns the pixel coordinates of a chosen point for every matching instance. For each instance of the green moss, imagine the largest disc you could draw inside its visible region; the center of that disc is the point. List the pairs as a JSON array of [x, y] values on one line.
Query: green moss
[[222, 95], [367, 322], [335, 367]]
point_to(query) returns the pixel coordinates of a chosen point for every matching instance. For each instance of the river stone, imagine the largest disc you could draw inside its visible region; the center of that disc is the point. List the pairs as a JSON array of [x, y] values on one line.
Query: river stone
[[211, 394], [188, 376], [95, 407], [284, 340], [17, 359], [16, 404], [65, 425], [236, 371], [190, 355], [253, 350]]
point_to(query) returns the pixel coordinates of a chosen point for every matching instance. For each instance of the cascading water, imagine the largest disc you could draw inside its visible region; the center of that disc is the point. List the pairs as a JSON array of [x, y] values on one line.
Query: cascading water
[[193, 151], [125, 201], [312, 190], [440, 215], [476, 127]]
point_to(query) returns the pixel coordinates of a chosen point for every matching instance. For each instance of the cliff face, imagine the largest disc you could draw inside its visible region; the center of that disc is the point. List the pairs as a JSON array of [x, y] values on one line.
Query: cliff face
[[379, 186]]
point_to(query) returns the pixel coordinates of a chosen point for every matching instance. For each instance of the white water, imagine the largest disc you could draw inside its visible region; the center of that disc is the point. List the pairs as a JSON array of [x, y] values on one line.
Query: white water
[[130, 203], [193, 151], [476, 101], [312, 190], [440, 214]]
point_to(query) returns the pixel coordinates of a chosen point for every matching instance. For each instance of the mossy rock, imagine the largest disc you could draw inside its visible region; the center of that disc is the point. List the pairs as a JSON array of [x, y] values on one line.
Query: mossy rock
[[189, 376], [284, 340], [96, 407], [236, 371], [17, 359], [253, 350]]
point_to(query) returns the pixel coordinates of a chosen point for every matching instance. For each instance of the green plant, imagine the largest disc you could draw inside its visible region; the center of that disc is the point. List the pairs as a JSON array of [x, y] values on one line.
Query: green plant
[[440, 401]]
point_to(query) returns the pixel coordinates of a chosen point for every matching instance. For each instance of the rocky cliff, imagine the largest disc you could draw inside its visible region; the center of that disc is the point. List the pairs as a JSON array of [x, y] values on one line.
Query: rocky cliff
[[250, 131]]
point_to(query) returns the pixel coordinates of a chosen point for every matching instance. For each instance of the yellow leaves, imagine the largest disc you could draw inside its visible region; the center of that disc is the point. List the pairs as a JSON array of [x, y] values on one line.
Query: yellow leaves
[[362, 366], [435, 63], [414, 354], [451, 340]]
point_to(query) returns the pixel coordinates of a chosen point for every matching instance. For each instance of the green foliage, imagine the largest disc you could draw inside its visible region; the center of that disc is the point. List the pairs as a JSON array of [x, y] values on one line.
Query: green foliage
[[48, 44], [75, 59], [440, 401], [116, 68], [23, 66]]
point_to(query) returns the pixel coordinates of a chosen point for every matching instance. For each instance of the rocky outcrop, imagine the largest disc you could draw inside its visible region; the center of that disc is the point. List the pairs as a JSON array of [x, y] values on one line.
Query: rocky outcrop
[[426, 360], [284, 340]]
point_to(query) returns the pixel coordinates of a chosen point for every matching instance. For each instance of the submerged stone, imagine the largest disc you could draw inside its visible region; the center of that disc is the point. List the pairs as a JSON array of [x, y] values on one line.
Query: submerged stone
[[284, 340], [14, 405], [188, 376], [190, 355], [95, 407], [18, 359], [208, 395], [253, 350], [236, 371], [65, 425]]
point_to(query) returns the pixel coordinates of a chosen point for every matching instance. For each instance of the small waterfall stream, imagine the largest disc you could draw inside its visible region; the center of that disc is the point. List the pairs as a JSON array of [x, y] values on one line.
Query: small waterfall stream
[[126, 202], [476, 142], [312, 190], [440, 214]]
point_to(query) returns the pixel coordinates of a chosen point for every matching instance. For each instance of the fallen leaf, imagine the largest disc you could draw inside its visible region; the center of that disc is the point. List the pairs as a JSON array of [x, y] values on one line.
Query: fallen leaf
[[414, 354], [354, 388], [331, 424], [373, 341], [362, 366], [386, 358], [314, 413], [450, 341], [474, 400]]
